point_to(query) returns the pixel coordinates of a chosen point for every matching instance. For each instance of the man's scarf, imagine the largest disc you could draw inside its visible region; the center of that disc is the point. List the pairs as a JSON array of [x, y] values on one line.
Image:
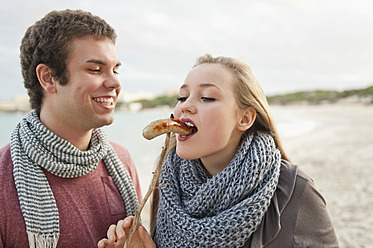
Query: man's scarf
[[34, 147], [197, 210]]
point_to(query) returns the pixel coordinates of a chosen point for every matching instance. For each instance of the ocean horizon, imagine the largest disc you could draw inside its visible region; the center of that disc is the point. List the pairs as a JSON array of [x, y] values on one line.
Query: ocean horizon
[[127, 131]]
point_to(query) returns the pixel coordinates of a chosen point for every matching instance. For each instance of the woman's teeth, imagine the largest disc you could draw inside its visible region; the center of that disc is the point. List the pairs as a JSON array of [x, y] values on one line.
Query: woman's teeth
[[194, 128]]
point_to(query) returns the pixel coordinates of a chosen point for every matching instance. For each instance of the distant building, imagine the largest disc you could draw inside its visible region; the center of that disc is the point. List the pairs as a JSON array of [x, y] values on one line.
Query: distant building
[[131, 97], [19, 103], [170, 92]]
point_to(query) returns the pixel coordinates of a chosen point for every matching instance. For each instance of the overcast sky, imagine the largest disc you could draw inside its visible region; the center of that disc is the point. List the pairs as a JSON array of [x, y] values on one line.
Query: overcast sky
[[290, 45]]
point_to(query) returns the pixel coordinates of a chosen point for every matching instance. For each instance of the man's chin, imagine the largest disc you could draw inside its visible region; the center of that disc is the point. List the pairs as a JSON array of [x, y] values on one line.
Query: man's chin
[[105, 121]]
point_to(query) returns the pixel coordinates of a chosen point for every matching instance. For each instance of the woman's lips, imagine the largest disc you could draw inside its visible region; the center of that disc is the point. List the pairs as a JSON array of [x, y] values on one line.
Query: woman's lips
[[184, 138], [190, 123]]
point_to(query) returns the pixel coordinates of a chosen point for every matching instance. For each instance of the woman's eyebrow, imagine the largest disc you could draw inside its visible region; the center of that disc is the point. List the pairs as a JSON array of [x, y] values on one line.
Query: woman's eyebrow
[[206, 85], [203, 85]]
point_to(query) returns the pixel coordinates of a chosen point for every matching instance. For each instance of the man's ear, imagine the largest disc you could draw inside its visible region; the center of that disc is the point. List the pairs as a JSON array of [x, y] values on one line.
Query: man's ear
[[46, 80], [248, 117]]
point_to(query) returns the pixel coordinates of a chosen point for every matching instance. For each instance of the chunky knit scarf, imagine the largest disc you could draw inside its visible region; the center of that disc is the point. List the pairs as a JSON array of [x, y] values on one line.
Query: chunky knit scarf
[[34, 147], [196, 210]]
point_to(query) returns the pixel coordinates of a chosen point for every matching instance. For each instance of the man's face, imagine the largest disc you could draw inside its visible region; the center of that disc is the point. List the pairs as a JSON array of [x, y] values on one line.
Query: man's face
[[88, 99]]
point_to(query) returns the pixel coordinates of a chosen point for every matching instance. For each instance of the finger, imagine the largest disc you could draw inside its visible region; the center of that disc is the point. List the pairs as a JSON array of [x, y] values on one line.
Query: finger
[[123, 227], [145, 237], [127, 222], [111, 234], [120, 230], [102, 243]]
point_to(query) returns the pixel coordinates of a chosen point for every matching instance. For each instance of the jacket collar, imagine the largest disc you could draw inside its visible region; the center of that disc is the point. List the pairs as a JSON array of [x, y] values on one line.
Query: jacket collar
[[271, 225]]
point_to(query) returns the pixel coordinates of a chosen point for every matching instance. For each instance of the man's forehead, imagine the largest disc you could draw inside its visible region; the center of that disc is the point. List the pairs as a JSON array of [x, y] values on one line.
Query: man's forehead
[[90, 50]]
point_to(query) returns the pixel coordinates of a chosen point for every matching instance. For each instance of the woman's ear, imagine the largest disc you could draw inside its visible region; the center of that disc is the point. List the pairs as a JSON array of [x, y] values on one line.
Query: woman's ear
[[248, 117], [46, 80]]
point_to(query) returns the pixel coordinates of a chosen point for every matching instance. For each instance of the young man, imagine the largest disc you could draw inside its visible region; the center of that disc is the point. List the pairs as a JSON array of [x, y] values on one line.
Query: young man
[[62, 182]]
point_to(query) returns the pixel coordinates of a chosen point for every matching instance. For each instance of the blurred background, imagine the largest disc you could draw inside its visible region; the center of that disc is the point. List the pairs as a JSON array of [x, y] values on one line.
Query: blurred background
[[313, 58], [291, 45]]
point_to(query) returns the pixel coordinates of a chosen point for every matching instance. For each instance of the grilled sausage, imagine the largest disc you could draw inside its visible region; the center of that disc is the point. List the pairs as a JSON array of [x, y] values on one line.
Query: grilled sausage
[[158, 127]]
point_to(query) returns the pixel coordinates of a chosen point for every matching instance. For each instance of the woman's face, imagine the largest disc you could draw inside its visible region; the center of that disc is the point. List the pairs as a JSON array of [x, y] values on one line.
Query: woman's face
[[207, 100]]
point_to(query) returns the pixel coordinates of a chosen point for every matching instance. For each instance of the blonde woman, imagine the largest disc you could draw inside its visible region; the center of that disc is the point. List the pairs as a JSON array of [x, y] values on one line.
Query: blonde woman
[[230, 184]]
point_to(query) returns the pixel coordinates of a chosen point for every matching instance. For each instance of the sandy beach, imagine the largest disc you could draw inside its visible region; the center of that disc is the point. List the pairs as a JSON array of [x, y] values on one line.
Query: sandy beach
[[338, 154]]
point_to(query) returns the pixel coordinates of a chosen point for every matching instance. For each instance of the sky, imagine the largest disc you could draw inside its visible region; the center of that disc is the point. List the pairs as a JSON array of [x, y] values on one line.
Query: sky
[[290, 45]]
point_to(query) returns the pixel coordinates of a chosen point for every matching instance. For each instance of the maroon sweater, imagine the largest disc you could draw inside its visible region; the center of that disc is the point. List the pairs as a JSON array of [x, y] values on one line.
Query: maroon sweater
[[87, 205]]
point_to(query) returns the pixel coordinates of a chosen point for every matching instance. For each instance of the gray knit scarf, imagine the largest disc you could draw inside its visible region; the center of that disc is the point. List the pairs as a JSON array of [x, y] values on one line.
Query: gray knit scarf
[[197, 210], [34, 147]]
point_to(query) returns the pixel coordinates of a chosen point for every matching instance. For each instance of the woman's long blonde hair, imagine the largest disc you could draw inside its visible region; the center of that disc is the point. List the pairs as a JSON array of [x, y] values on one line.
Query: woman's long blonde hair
[[249, 94]]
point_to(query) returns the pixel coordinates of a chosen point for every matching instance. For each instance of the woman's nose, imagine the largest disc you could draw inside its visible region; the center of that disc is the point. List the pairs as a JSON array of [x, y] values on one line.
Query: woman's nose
[[188, 107]]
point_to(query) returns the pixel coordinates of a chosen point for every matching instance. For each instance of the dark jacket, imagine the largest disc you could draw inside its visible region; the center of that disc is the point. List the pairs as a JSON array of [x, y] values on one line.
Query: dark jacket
[[297, 215]]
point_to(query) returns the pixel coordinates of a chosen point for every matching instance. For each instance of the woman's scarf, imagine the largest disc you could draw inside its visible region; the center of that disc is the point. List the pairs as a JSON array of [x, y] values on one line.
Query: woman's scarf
[[34, 147], [197, 210]]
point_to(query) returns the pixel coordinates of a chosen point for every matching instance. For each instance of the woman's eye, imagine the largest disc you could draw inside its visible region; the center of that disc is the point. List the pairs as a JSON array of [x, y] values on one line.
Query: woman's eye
[[207, 99], [181, 99], [116, 72]]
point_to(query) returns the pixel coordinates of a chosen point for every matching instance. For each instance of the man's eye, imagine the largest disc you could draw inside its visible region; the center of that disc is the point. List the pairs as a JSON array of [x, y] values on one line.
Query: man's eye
[[116, 72], [208, 99], [181, 99], [94, 70]]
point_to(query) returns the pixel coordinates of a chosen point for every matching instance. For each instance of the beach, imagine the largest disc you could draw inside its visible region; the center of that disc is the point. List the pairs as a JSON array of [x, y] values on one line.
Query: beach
[[338, 155], [336, 150]]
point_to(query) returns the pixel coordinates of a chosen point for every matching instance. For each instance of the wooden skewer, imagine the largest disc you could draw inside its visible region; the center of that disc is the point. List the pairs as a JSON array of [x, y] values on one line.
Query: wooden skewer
[[151, 188]]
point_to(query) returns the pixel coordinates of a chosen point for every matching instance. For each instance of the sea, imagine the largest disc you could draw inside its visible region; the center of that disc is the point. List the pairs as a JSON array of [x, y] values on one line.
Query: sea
[[127, 131]]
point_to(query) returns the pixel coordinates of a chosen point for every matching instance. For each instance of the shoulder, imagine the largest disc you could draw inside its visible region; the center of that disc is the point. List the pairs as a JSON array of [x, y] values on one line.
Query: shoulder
[[306, 213], [6, 165], [119, 149], [12, 227], [297, 216], [293, 183], [313, 226], [296, 190], [5, 160], [5, 152], [303, 188], [122, 153]]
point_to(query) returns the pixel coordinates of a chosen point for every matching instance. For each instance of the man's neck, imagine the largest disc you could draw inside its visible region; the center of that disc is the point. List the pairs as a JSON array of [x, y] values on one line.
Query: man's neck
[[79, 140], [77, 137]]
